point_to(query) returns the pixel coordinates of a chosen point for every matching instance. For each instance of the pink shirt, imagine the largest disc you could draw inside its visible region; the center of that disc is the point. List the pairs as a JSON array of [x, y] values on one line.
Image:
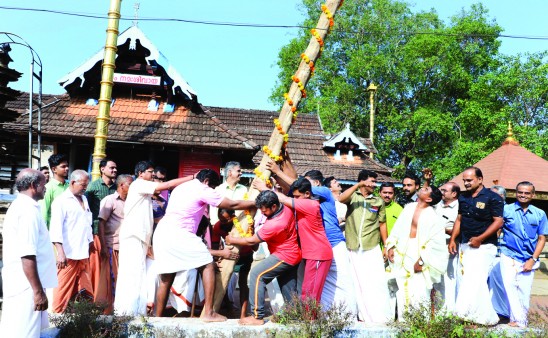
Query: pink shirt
[[187, 204]]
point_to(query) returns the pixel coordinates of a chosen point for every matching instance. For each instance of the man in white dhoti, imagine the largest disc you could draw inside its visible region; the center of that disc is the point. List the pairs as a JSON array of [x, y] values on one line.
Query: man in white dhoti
[[448, 210], [135, 237], [365, 228], [71, 234], [176, 246], [29, 264], [417, 250], [480, 217], [524, 235]]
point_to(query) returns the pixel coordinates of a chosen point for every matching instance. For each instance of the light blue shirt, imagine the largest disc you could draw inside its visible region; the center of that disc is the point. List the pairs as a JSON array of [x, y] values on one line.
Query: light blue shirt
[[521, 230]]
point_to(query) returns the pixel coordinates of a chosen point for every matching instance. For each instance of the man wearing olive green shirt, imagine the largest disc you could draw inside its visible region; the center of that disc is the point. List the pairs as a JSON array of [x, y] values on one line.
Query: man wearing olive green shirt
[[365, 228]]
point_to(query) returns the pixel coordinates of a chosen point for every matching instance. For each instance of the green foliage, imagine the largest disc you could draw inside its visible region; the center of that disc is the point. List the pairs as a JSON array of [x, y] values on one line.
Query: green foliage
[[85, 319], [307, 318], [445, 93], [421, 323]]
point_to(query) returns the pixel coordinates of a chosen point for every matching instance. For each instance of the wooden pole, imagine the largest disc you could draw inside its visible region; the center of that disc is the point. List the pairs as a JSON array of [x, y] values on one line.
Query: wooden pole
[[303, 73], [287, 115], [105, 96]]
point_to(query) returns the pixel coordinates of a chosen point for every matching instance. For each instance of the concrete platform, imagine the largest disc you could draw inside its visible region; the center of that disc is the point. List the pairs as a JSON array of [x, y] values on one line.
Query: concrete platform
[[193, 327]]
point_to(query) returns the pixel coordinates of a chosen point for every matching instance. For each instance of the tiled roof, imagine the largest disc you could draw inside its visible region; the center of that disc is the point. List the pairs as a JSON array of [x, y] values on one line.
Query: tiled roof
[[130, 121], [511, 164], [305, 143], [220, 128]]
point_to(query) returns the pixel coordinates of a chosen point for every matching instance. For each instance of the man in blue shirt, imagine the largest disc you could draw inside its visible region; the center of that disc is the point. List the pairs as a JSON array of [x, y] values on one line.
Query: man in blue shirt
[[524, 234]]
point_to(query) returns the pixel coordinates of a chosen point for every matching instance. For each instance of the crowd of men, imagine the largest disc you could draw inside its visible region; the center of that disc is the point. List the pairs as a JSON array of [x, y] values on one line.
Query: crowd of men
[[139, 243]]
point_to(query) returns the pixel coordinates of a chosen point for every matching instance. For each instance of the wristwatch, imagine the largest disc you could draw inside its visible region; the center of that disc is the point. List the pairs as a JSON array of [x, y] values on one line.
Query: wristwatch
[[421, 263]]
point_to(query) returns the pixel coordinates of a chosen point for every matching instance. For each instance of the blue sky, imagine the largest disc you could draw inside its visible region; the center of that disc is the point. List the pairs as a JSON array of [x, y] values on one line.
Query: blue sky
[[226, 66]]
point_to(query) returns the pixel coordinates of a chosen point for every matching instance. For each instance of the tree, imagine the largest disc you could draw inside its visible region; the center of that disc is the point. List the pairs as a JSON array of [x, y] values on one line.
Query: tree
[[435, 83]]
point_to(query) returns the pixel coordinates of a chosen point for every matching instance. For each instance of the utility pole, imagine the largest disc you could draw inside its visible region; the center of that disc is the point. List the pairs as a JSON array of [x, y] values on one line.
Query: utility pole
[[372, 89]]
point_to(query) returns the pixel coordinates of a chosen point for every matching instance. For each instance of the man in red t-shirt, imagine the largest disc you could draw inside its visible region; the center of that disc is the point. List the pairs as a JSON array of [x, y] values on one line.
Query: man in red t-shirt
[[280, 235], [316, 250], [220, 230]]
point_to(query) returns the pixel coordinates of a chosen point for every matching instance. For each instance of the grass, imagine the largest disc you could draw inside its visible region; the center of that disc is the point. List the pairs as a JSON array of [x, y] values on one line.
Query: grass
[[307, 318]]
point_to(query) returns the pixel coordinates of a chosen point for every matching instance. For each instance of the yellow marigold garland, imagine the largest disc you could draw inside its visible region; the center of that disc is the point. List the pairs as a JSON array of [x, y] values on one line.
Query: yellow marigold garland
[[300, 84], [318, 38], [280, 130], [329, 15], [306, 59], [276, 158], [249, 219], [260, 175]]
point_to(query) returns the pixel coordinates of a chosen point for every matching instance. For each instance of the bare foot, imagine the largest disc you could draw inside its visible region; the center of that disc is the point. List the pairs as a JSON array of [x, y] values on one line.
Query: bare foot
[[212, 317], [250, 320], [513, 324]]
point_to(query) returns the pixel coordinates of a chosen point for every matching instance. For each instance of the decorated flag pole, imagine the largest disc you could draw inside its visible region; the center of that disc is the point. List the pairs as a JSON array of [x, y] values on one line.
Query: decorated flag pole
[[297, 91], [243, 226]]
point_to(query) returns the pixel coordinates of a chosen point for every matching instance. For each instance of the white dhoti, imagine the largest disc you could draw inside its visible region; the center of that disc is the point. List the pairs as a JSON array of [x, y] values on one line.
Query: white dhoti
[[131, 286], [371, 291], [177, 249], [447, 287], [496, 287], [19, 320], [339, 287], [152, 281], [182, 291], [511, 289], [413, 288], [473, 299]]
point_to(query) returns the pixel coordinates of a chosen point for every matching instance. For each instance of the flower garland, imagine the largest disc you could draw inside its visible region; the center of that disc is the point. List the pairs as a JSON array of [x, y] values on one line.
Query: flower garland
[[276, 158], [293, 108], [280, 130], [300, 84], [249, 219], [306, 59], [260, 175], [318, 38], [329, 15]]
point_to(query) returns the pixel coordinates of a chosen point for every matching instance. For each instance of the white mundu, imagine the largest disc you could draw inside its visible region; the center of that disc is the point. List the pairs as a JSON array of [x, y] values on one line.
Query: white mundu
[[448, 284], [428, 245], [25, 234], [473, 300]]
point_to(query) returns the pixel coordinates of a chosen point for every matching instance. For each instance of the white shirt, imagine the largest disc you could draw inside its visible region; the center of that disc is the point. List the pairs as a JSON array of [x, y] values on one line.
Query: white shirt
[[71, 224], [138, 218], [448, 213], [25, 234]]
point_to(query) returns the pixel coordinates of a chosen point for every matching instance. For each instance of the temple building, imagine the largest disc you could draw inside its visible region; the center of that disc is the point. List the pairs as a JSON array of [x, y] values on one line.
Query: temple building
[[156, 115], [510, 164]]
